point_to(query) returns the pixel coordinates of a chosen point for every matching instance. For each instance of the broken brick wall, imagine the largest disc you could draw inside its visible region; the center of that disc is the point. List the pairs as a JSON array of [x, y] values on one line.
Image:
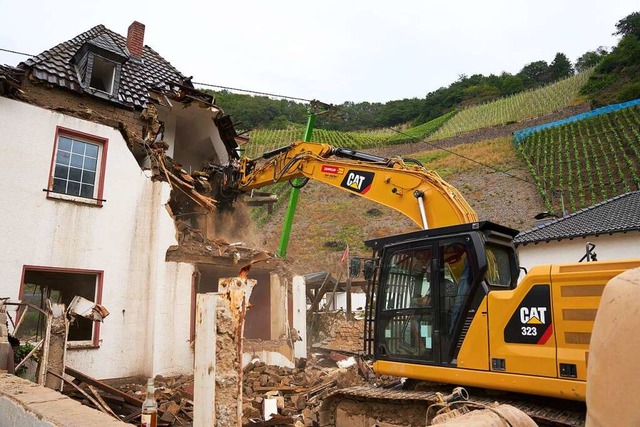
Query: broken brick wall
[[83, 106], [332, 331]]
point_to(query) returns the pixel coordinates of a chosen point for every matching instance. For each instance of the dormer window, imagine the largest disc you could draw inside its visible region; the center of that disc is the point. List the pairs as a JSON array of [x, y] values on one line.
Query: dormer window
[[103, 75], [98, 63]]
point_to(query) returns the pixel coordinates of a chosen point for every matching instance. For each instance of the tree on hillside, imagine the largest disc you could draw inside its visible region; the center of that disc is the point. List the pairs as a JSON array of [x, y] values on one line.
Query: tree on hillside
[[630, 25], [511, 84], [535, 74], [617, 76], [560, 67], [591, 58]]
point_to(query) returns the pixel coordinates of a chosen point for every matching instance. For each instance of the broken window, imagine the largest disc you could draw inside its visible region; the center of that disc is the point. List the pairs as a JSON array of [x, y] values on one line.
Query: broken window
[[60, 286], [102, 74], [77, 164]]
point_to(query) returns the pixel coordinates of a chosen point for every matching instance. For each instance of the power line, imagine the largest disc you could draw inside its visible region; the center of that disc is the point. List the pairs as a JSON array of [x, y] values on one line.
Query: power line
[[16, 52], [465, 157], [252, 91], [200, 83]]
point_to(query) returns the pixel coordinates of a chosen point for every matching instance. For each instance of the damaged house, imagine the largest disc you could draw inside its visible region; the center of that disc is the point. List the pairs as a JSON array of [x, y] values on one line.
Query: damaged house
[[104, 196]]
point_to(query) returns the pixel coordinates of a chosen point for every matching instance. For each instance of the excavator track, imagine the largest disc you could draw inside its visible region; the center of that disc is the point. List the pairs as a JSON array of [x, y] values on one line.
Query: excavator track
[[365, 405]]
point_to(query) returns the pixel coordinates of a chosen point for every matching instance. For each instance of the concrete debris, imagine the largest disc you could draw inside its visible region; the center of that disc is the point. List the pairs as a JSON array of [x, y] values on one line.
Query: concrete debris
[[194, 245]]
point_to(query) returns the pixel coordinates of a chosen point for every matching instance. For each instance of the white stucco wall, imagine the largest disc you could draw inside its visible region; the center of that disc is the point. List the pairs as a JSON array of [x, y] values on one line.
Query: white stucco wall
[[147, 331], [608, 247], [358, 300]]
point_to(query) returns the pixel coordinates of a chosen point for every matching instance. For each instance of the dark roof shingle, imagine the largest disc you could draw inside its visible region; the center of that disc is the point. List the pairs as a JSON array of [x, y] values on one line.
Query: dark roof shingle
[[616, 215], [55, 66]]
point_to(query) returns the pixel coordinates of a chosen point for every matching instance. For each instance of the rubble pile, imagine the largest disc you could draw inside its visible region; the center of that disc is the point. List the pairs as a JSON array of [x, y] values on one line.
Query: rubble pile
[[348, 338], [331, 331], [123, 401], [298, 391], [174, 396]]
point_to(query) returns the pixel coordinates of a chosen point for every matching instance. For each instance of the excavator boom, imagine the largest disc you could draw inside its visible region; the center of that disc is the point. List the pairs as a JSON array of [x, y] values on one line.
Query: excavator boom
[[420, 194]]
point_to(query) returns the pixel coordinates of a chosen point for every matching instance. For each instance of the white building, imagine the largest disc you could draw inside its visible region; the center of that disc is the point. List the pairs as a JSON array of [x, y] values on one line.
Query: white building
[[613, 226], [97, 133]]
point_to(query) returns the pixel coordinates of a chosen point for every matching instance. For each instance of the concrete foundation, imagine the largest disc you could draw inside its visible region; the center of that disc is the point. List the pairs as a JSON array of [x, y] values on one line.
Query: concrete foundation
[[23, 403]]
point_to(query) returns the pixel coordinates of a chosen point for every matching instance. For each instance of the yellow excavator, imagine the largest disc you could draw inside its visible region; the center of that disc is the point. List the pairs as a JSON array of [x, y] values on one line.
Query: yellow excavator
[[444, 303]]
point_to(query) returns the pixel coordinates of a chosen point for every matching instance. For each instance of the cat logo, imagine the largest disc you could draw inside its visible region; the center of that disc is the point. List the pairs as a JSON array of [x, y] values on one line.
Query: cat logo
[[531, 322], [533, 315], [358, 181]]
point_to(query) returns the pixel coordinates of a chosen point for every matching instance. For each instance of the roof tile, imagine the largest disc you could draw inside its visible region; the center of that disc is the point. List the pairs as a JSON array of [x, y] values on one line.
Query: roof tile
[[54, 66], [616, 215]]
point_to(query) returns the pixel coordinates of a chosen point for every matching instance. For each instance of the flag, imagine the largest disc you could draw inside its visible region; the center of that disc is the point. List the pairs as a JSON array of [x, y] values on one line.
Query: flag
[[345, 255]]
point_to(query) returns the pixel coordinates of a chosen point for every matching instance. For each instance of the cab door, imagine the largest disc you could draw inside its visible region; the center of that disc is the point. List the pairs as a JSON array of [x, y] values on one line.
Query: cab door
[[454, 278], [408, 307]]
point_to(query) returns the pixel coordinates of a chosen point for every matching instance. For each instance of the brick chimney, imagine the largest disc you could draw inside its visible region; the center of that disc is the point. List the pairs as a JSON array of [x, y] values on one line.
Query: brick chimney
[[135, 39]]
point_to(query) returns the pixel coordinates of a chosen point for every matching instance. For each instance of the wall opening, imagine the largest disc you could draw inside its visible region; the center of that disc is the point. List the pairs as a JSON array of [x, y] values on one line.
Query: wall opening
[[257, 322], [102, 75], [60, 286]]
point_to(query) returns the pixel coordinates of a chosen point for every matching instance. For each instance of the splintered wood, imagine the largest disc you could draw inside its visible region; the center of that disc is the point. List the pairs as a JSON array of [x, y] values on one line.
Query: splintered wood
[[218, 370]]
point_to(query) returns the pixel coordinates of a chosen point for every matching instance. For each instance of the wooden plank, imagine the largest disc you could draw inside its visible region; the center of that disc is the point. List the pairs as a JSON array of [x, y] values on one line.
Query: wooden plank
[[283, 389], [44, 357], [85, 394], [102, 386], [320, 293], [204, 375], [132, 416], [102, 402]]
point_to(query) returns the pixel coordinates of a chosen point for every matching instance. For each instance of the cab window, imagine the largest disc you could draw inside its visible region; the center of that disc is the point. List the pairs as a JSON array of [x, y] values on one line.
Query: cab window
[[499, 266]]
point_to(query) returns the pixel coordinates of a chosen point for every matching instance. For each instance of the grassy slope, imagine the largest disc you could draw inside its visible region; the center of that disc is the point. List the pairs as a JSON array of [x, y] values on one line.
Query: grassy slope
[[515, 108]]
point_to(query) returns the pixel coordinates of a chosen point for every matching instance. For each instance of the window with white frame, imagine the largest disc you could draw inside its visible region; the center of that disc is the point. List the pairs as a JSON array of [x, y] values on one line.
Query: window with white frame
[[76, 168]]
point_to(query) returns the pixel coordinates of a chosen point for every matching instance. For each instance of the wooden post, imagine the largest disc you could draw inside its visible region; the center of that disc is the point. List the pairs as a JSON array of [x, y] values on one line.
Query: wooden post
[[58, 331], [204, 378], [349, 316], [44, 358], [333, 294], [348, 290], [319, 293]]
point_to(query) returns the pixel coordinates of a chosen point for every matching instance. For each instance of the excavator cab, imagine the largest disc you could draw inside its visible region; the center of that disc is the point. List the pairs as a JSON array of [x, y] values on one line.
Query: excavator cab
[[428, 286]]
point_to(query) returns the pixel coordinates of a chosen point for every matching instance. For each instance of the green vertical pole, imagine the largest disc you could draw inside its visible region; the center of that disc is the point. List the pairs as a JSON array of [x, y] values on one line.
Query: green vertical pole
[[293, 199]]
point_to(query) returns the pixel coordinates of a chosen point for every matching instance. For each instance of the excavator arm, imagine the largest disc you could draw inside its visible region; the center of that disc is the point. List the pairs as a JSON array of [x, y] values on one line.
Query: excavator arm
[[418, 193]]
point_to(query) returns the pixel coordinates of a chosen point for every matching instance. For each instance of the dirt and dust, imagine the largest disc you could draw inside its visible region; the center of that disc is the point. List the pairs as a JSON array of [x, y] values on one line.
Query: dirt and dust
[[236, 225]]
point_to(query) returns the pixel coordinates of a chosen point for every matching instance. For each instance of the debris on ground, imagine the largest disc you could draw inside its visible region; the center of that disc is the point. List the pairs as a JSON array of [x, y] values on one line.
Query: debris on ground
[[297, 392]]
